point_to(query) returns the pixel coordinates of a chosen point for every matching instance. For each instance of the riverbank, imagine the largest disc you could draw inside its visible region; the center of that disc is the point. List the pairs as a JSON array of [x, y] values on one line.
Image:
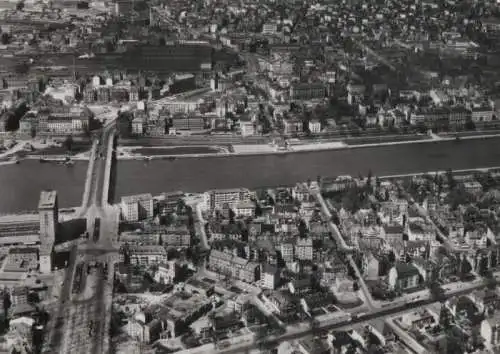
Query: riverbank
[[269, 149], [200, 151]]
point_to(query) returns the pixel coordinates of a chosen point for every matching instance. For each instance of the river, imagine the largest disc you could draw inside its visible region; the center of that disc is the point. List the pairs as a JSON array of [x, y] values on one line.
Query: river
[[20, 185]]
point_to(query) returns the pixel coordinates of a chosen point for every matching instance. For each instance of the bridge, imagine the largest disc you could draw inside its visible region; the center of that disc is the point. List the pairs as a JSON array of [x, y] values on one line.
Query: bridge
[[80, 310]]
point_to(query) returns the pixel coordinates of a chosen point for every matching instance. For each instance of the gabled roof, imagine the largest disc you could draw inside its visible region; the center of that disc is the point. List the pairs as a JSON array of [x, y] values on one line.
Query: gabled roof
[[406, 270]]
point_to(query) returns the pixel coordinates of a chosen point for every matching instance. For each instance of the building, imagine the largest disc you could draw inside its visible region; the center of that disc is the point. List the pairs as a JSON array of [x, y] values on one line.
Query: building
[[138, 124], [169, 201], [292, 126], [287, 251], [337, 184], [473, 187], [183, 106], [63, 120], [245, 209], [146, 255], [481, 115], [137, 207], [19, 296], [403, 276], [232, 197], [490, 331], [144, 328], [177, 237], [21, 232], [269, 28], [420, 231], [228, 264], [314, 126], [21, 259], [270, 277], [304, 249], [188, 123], [458, 117], [307, 91], [247, 128], [285, 303], [48, 211], [166, 272]]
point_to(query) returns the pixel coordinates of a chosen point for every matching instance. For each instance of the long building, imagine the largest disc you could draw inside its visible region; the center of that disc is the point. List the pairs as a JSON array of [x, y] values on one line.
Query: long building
[[15, 232], [216, 199]]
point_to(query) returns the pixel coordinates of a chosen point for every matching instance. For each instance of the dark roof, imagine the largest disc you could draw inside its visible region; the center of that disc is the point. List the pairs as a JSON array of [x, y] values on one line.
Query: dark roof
[[393, 229], [269, 268], [406, 270]]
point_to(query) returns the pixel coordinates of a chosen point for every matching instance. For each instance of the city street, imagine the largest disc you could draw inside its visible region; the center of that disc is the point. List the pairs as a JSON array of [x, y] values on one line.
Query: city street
[[304, 329], [342, 245]]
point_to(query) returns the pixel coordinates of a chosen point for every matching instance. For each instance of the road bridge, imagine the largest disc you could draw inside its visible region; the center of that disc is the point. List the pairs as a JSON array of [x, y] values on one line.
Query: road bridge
[[66, 335]]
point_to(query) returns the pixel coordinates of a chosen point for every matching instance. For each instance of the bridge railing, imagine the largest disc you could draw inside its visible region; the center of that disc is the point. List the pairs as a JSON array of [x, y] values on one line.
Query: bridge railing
[[107, 170], [88, 179]]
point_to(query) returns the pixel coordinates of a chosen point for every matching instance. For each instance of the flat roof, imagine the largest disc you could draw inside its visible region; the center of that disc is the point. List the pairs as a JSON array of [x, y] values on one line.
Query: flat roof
[[137, 198], [47, 199]]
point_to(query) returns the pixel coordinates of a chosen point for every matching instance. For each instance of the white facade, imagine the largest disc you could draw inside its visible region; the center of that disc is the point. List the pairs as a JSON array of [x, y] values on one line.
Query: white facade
[[315, 127], [96, 81], [45, 263], [232, 197], [245, 209], [247, 129], [137, 207], [165, 273], [304, 249], [490, 331], [60, 126], [268, 281]]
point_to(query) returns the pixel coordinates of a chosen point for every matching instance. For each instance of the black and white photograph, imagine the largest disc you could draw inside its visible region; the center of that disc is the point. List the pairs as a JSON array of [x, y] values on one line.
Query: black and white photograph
[[250, 177]]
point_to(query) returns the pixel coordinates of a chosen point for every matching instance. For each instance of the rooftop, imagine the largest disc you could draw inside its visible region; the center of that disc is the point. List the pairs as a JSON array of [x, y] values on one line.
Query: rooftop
[[136, 198]]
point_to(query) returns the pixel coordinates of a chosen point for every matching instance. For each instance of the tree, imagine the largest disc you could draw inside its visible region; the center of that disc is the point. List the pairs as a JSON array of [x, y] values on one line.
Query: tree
[[7, 303], [231, 216], [444, 318], [369, 179], [437, 292], [465, 267], [68, 143], [483, 266], [5, 38], [302, 229], [490, 280], [451, 180]]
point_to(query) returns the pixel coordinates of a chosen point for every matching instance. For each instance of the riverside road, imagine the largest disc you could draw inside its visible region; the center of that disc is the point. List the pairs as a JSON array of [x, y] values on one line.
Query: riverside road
[[25, 180]]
